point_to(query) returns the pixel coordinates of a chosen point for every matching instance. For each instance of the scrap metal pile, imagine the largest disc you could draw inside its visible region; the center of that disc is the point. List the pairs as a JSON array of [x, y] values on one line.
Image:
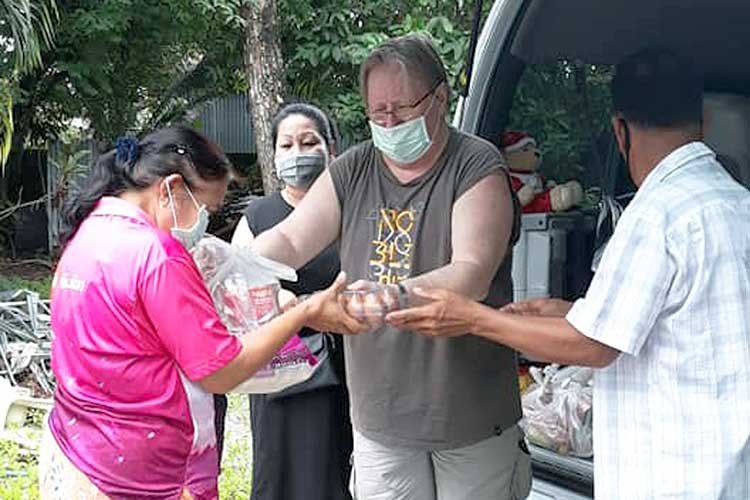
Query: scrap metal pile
[[25, 342]]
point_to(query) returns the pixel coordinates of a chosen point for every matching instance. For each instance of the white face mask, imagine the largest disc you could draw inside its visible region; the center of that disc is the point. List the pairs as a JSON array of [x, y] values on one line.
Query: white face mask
[[192, 235], [406, 142]]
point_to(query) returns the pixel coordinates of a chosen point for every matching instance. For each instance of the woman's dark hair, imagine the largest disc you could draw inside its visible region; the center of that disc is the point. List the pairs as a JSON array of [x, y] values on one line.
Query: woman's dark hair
[[134, 165], [322, 121]]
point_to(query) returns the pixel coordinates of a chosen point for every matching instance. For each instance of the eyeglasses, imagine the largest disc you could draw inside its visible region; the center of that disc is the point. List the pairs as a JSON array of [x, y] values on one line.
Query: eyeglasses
[[401, 113]]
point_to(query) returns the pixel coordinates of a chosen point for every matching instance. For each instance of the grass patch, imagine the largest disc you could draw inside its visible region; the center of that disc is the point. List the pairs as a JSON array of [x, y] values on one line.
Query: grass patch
[[19, 469], [40, 286], [236, 477], [18, 473]]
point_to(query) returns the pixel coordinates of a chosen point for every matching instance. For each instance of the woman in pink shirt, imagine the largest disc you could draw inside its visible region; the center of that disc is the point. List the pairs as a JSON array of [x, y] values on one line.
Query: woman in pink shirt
[[138, 346]]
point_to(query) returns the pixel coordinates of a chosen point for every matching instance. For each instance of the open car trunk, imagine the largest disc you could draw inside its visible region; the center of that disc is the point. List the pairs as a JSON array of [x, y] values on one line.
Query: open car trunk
[[520, 33]]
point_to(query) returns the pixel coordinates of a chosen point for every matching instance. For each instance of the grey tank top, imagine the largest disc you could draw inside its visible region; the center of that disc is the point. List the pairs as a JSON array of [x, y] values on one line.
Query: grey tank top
[[408, 390]]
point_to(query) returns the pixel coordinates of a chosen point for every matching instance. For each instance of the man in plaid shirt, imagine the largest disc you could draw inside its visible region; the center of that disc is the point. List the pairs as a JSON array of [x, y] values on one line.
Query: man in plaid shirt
[[667, 315]]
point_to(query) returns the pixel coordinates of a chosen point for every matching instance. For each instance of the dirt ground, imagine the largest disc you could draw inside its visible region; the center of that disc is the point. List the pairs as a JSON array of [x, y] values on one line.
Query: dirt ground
[[29, 269]]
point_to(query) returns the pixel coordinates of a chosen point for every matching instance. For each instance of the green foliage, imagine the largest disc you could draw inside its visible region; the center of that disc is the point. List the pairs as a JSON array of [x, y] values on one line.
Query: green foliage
[[325, 42], [26, 29], [18, 465], [41, 286], [228, 11], [136, 64], [236, 476], [35, 417], [565, 106], [130, 65], [6, 120], [127, 66], [18, 473]]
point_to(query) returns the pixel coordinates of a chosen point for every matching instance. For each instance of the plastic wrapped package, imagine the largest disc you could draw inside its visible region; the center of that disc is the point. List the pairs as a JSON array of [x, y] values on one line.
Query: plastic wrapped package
[[371, 304], [245, 288], [364, 304], [558, 410], [524, 379]]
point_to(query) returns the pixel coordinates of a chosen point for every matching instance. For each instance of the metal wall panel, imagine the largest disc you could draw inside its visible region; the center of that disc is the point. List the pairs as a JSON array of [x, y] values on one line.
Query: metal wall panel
[[227, 121]]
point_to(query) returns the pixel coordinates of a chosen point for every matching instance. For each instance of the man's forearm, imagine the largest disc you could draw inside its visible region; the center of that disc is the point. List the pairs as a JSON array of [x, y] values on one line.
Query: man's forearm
[[466, 278], [274, 244], [546, 338]]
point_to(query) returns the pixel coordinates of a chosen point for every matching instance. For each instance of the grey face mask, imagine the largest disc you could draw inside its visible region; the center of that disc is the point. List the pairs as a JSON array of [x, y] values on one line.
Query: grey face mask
[[302, 169]]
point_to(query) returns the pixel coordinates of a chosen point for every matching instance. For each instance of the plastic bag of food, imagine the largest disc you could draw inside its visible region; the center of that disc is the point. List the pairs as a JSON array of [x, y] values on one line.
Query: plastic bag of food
[[245, 288], [557, 410]]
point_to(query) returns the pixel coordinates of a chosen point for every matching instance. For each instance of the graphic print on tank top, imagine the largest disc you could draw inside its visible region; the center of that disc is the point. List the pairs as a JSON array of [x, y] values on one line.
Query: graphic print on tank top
[[392, 248]]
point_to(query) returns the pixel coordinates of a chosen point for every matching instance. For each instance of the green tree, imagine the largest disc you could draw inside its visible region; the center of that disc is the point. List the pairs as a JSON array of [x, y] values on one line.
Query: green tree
[[126, 66], [325, 42], [26, 29], [312, 49], [136, 64], [565, 106], [123, 66]]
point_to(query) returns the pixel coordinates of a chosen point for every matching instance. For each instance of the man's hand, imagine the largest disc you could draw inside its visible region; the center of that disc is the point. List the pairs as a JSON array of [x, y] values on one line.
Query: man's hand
[[369, 302], [324, 312], [557, 308], [447, 314]]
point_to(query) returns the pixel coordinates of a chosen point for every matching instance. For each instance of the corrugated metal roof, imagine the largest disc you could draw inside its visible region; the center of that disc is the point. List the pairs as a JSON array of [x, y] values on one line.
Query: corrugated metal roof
[[227, 121]]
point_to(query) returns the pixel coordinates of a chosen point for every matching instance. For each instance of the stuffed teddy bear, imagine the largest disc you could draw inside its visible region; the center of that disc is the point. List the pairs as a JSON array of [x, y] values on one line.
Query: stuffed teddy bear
[[523, 158]]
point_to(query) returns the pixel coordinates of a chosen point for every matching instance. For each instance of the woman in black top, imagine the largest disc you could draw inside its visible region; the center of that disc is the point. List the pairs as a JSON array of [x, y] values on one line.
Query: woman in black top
[[301, 442]]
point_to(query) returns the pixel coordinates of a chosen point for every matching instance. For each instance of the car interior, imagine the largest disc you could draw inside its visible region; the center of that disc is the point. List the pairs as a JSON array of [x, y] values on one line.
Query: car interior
[[538, 32]]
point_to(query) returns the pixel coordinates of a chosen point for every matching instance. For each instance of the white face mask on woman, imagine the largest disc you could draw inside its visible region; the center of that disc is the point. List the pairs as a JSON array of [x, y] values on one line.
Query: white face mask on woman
[[190, 236]]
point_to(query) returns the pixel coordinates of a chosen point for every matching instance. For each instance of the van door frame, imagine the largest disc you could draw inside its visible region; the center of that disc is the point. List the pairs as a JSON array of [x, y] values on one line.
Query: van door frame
[[484, 112]]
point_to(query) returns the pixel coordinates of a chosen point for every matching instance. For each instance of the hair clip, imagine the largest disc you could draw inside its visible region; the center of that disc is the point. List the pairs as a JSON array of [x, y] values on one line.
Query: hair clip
[[126, 150]]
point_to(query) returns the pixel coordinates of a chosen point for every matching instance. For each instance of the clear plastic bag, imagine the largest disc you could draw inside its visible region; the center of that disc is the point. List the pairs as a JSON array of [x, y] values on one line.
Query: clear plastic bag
[[558, 410], [245, 288]]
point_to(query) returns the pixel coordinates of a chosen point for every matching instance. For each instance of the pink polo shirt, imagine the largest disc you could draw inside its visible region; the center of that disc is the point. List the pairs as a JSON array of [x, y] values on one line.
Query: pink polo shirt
[[134, 329]]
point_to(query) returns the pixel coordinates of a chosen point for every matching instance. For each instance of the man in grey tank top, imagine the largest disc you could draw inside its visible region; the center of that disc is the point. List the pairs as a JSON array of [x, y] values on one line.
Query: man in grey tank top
[[420, 205]]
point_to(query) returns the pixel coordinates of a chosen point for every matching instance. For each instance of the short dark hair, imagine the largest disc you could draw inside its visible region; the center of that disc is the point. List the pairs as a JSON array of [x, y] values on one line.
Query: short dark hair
[[656, 87], [322, 121]]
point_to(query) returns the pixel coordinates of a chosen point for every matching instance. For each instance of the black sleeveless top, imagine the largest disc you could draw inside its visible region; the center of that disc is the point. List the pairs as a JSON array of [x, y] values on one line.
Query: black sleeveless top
[[264, 213]]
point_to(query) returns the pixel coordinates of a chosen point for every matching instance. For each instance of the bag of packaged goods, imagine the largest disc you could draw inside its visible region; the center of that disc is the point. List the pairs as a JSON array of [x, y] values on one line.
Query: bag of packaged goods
[[557, 410], [245, 289]]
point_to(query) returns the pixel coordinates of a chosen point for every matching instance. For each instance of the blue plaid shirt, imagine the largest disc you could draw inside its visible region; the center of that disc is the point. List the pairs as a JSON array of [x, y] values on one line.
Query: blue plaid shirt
[[672, 293]]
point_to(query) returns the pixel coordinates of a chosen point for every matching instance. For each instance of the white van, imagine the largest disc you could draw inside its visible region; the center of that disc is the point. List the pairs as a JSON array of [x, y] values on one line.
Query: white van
[[519, 34]]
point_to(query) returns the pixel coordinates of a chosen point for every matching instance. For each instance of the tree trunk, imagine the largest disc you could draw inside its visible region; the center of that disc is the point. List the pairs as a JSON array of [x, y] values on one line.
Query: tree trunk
[[264, 69]]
